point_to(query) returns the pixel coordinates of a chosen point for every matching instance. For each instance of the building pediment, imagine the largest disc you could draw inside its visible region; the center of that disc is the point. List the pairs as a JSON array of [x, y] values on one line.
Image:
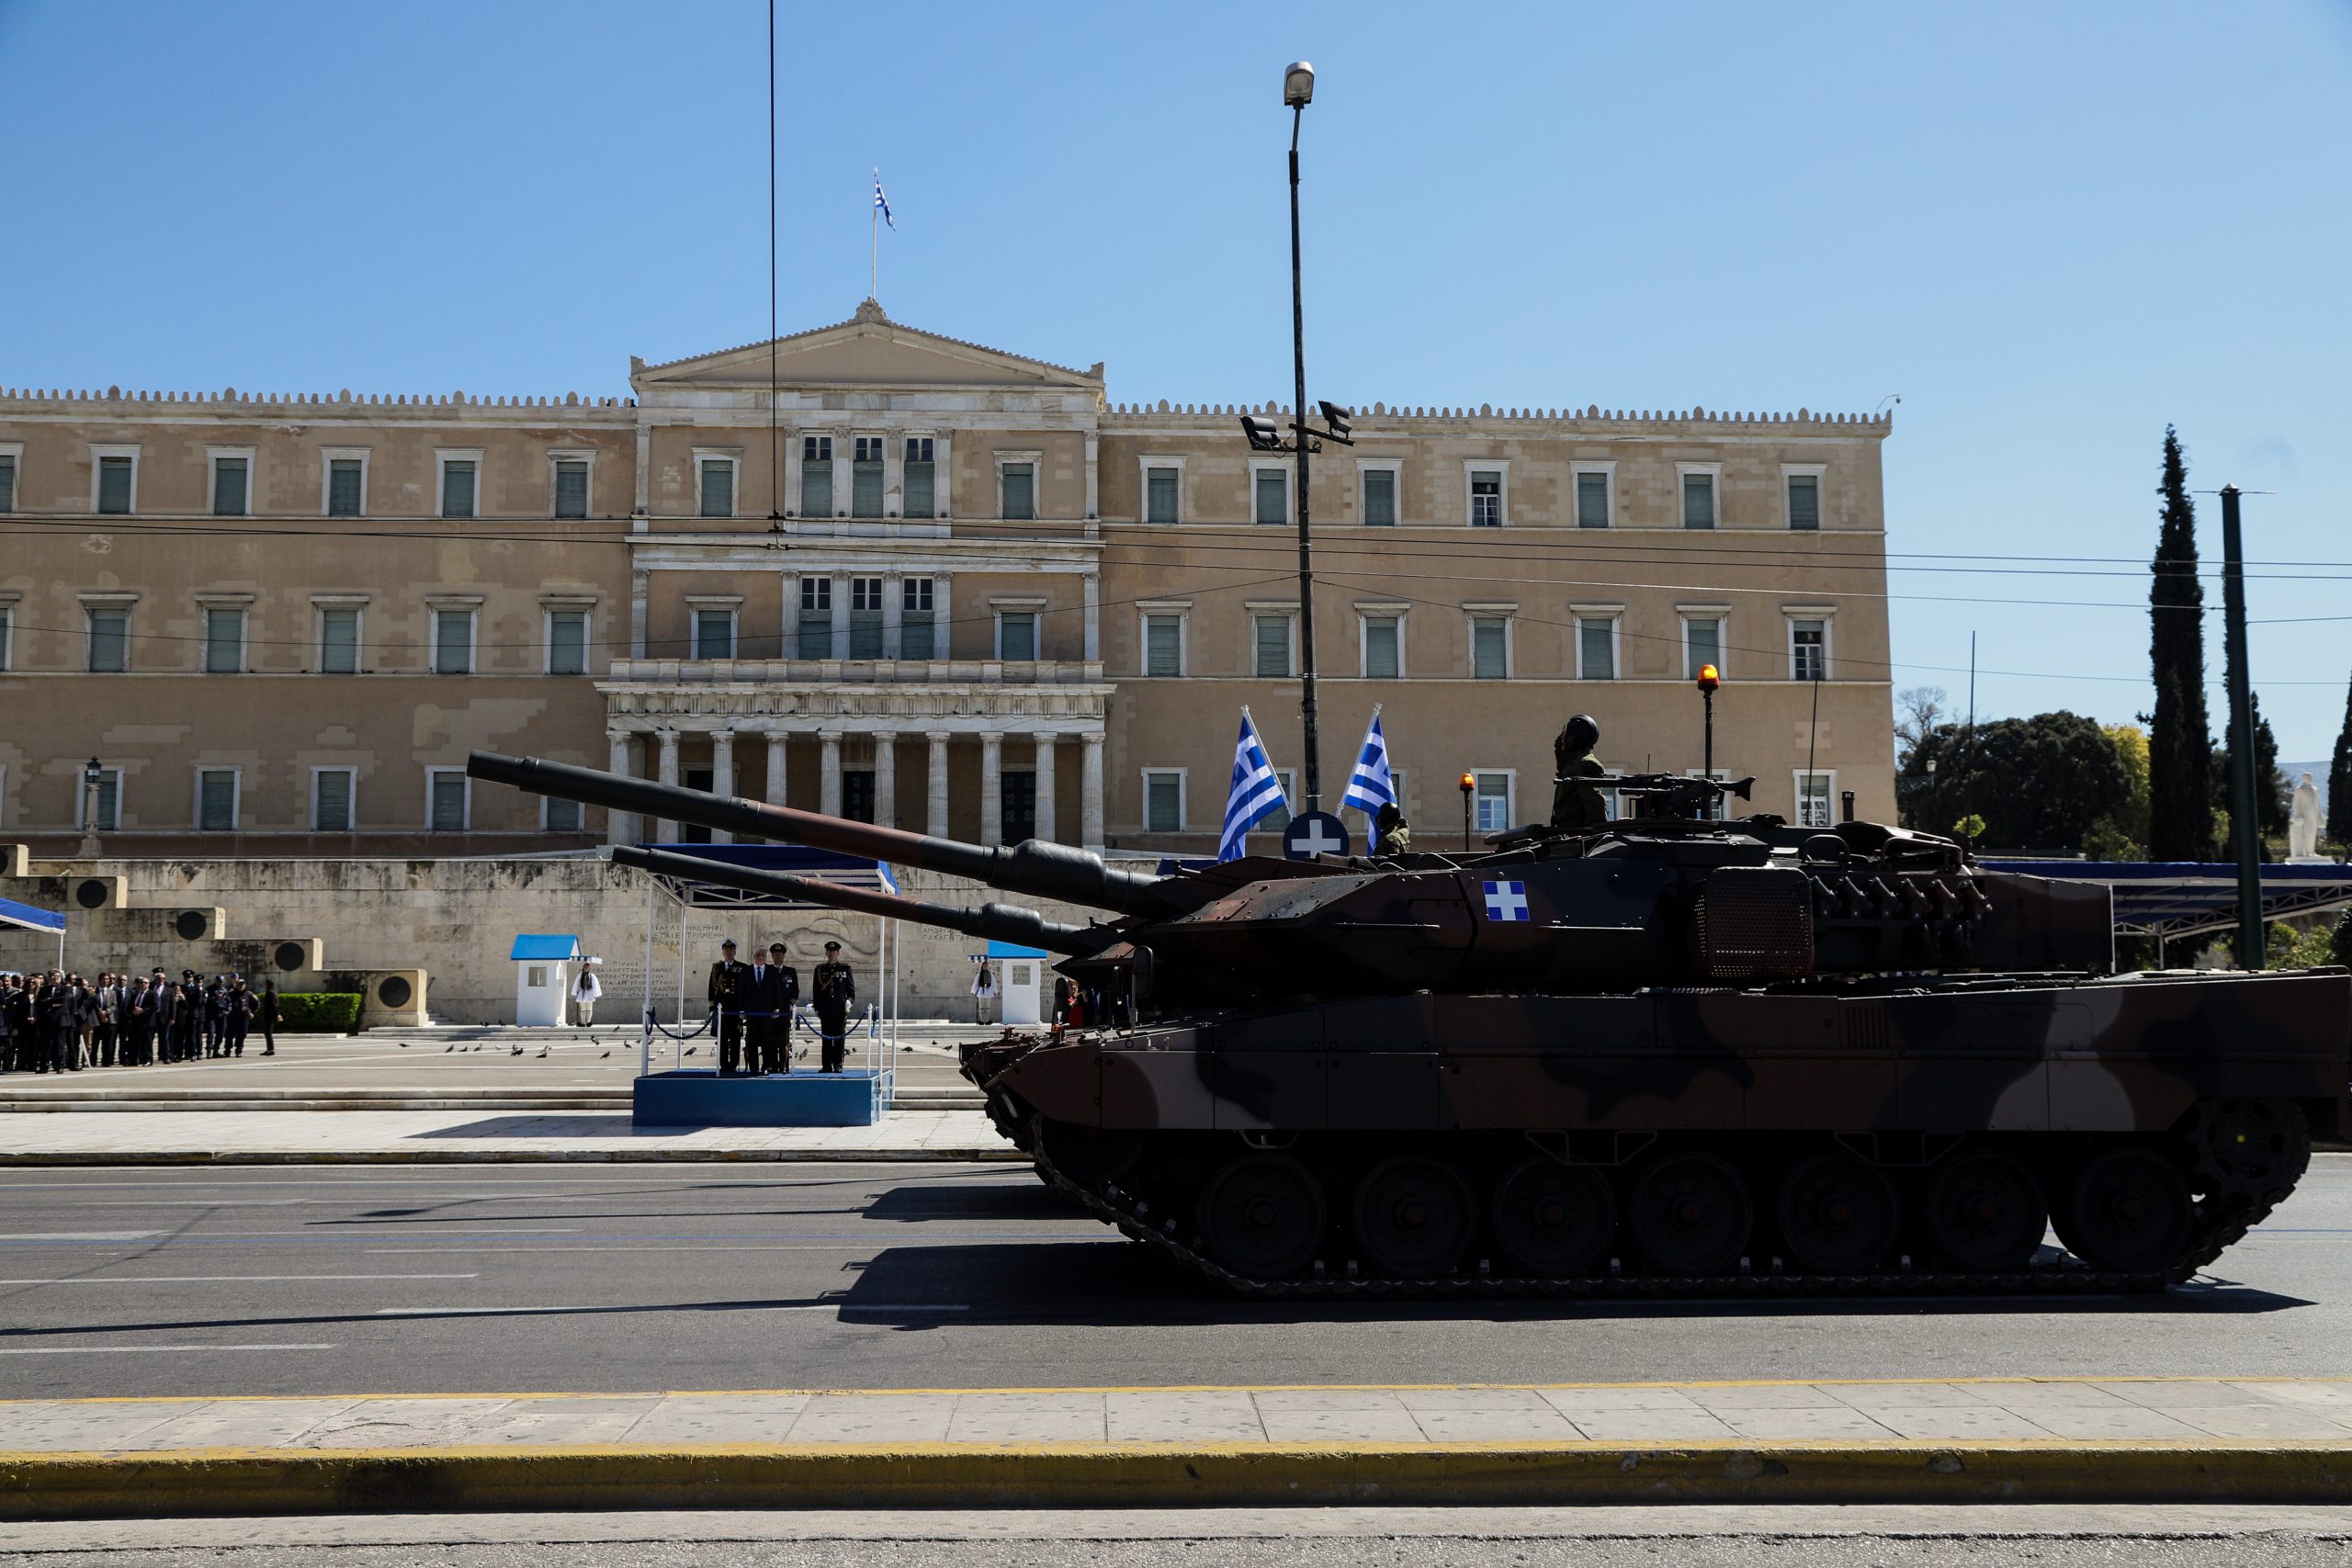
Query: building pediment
[[865, 352]]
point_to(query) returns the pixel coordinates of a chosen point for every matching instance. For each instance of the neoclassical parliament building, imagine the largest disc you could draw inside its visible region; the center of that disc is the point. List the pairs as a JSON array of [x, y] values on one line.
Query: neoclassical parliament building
[[876, 570]]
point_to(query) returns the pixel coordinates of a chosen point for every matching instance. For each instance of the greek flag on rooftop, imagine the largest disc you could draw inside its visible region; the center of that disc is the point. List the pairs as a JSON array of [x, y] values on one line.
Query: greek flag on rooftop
[[1369, 787], [1256, 794], [882, 204]]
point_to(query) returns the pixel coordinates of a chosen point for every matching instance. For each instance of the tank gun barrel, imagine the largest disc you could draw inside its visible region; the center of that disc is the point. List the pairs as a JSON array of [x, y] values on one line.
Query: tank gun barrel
[[992, 923], [1038, 869]]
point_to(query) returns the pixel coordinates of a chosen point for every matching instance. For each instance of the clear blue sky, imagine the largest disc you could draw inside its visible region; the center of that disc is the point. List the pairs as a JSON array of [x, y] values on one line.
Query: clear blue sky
[[2051, 228]]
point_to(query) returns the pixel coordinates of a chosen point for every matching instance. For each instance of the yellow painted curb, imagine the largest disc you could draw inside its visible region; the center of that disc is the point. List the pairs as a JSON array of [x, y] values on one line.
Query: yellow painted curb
[[485, 1478]]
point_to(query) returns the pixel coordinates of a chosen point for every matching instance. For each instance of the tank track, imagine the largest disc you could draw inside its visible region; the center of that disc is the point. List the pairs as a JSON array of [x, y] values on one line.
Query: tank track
[[2227, 1221]]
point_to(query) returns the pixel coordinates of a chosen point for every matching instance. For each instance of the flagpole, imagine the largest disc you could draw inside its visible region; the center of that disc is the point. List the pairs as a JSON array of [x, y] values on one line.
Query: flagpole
[[874, 230]]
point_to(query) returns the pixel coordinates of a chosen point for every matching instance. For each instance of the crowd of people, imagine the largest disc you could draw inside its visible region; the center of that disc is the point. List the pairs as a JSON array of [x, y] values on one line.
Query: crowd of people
[[60, 1022]]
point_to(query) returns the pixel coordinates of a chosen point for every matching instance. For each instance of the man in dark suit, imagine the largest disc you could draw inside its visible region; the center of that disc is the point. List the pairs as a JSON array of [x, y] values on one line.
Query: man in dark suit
[[728, 993], [834, 989], [775, 986]]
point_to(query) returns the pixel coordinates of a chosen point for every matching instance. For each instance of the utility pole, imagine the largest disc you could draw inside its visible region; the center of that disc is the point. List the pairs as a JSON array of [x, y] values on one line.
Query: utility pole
[[2246, 831], [1298, 96]]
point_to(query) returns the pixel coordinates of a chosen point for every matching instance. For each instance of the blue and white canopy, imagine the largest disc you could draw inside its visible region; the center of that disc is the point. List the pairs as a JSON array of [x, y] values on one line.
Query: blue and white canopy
[[15, 914]]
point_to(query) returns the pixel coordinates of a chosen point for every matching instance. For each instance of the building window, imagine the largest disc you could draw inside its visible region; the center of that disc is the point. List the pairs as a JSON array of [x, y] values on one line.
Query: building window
[[1814, 793], [339, 639], [1271, 647], [567, 642], [715, 486], [1698, 500], [1596, 647], [109, 802], [1490, 647], [1163, 645], [1486, 498], [225, 640], [1592, 498], [816, 476], [918, 619], [446, 792], [1491, 801], [216, 800], [458, 477], [571, 487], [8, 626], [231, 486], [1805, 503], [1163, 800], [865, 478], [7, 481], [1018, 482], [865, 617], [109, 639], [1380, 498], [815, 617], [1160, 492], [453, 642], [1383, 648], [1808, 649], [1272, 492], [117, 486], [331, 797], [1702, 644], [1016, 636], [559, 816], [714, 632], [858, 793], [917, 478], [347, 487]]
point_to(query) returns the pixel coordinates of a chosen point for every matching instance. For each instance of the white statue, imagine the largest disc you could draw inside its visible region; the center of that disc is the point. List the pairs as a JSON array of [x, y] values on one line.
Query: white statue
[[2303, 823]]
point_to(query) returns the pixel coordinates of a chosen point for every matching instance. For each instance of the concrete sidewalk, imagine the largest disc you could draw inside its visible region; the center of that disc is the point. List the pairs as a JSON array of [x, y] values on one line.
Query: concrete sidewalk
[[2123, 1439], [197, 1138]]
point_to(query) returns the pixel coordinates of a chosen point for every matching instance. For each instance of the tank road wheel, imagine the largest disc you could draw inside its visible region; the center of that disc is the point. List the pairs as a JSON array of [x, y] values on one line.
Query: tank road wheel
[[1262, 1216], [2129, 1211], [1414, 1216], [1838, 1215], [1986, 1213], [1691, 1214], [2251, 1146], [1554, 1220]]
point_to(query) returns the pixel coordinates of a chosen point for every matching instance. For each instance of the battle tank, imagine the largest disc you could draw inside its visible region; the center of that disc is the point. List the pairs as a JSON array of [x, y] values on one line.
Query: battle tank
[[1673, 1053]]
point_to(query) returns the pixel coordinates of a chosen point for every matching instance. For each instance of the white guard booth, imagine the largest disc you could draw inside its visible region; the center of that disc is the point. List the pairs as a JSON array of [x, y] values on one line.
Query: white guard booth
[[544, 966], [1019, 981]]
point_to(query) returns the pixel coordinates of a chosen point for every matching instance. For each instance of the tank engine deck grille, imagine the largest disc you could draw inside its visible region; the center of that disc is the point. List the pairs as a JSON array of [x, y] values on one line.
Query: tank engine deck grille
[[1754, 923]]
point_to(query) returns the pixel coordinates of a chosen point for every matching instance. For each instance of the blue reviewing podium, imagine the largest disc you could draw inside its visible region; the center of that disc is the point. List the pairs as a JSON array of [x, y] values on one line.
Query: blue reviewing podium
[[698, 1097]]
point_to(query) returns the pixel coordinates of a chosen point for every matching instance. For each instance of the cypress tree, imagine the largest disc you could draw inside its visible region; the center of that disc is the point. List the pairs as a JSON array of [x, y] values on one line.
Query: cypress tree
[[2339, 780], [2180, 743]]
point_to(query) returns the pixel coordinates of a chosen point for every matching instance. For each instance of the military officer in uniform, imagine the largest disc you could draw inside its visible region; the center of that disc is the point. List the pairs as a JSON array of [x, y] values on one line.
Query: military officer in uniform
[[833, 988], [1576, 806], [775, 986], [728, 993]]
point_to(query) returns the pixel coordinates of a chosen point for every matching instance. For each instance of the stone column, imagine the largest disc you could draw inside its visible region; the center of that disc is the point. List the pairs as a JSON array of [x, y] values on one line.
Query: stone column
[[991, 788], [1045, 784], [1090, 800], [829, 773], [722, 777], [886, 778], [638, 590], [774, 794], [1093, 588], [620, 826], [664, 831], [893, 605], [935, 808]]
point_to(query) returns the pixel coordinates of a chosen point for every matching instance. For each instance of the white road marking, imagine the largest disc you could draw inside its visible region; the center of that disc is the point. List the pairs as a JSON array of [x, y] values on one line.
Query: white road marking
[[531, 1311], [184, 1202], [144, 1349], [222, 1278], [78, 1236]]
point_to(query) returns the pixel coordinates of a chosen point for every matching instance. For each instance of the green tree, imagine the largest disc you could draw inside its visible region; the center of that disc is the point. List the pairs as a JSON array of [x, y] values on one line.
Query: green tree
[[2132, 750], [2040, 784], [2339, 780], [2180, 743]]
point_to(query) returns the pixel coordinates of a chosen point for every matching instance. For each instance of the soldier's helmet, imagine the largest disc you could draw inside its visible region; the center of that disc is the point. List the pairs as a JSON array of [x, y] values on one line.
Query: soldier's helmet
[[1581, 733]]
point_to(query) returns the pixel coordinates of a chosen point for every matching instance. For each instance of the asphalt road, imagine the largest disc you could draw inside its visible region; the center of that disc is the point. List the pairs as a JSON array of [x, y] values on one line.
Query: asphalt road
[[329, 1280]]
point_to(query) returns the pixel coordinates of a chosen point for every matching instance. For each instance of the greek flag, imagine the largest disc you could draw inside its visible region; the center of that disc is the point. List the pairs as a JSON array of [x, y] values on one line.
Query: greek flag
[[1256, 794], [1369, 787], [882, 204]]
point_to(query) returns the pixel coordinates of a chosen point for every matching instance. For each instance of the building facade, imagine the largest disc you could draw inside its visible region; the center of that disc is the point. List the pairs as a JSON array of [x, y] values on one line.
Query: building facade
[[924, 583]]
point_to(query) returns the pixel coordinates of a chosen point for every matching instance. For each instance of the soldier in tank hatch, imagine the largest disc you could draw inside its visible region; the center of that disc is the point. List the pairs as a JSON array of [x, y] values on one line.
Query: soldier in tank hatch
[[1576, 806], [833, 988], [1390, 834]]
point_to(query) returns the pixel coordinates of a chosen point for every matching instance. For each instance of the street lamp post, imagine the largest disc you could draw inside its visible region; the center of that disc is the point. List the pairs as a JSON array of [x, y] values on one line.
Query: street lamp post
[[1708, 680], [1298, 91], [1469, 782]]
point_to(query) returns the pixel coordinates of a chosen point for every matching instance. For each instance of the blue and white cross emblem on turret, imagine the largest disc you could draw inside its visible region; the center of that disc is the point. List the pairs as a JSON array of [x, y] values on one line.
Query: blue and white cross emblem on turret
[[1507, 900]]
